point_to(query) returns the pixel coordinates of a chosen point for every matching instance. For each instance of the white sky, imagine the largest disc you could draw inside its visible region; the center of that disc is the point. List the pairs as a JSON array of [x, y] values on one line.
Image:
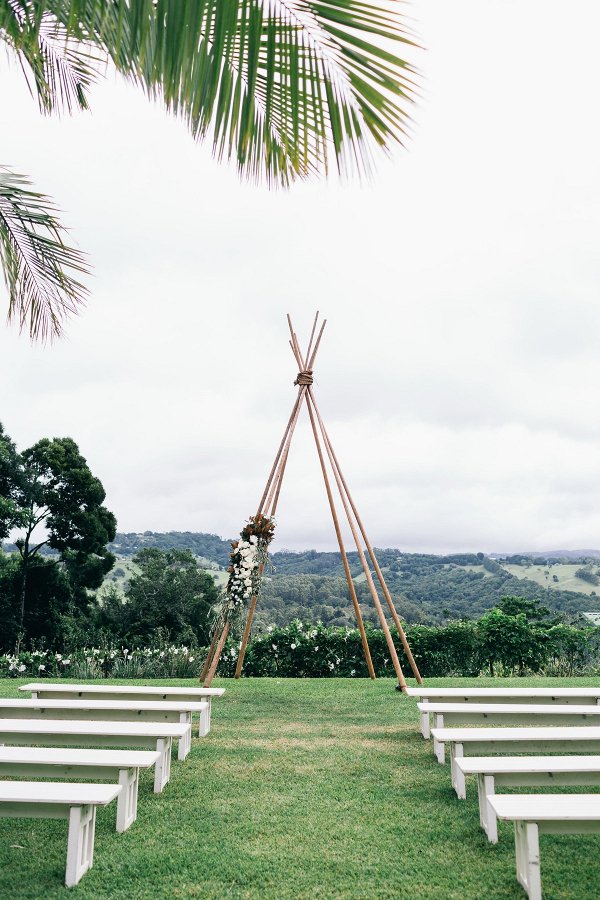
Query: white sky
[[459, 369]]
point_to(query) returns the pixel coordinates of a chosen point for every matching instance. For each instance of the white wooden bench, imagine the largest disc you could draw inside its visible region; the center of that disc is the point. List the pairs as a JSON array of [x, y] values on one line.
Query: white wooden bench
[[483, 741], [108, 711], [103, 691], [122, 766], [524, 771], [61, 732], [580, 696], [75, 802], [535, 814], [449, 714]]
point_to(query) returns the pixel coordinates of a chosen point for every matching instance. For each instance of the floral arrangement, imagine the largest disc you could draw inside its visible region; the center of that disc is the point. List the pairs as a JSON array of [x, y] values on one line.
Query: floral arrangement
[[248, 558]]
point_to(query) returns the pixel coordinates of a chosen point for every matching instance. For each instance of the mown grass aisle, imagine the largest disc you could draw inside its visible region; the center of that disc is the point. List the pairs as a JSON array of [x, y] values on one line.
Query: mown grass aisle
[[303, 789]]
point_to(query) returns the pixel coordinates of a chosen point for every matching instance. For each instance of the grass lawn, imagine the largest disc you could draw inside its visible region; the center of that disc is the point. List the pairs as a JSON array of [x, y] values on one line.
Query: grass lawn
[[305, 789]]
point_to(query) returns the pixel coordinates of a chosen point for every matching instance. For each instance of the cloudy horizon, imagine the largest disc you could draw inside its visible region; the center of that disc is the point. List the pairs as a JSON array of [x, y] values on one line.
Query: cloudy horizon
[[457, 373]]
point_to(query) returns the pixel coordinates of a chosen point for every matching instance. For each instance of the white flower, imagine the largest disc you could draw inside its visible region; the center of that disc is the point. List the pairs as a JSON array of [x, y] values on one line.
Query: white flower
[[293, 646], [253, 539], [191, 659], [21, 668], [233, 653], [331, 666], [58, 656], [274, 646], [41, 668], [269, 628], [66, 662], [353, 672], [248, 582]]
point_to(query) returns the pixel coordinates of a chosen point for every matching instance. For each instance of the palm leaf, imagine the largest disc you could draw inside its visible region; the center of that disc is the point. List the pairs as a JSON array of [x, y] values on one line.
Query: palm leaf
[[281, 86], [58, 69], [36, 260]]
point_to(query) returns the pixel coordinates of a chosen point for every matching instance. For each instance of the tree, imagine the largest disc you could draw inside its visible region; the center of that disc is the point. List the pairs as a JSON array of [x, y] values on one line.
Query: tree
[[281, 88], [511, 641], [10, 513], [531, 609], [171, 595], [57, 490]]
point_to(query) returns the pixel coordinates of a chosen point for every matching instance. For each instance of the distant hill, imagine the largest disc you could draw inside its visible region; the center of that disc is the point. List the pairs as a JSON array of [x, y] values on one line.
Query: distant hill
[[209, 546], [426, 588], [551, 554]]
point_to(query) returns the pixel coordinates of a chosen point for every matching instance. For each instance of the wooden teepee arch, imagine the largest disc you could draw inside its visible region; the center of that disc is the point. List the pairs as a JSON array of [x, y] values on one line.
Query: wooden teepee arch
[[268, 506]]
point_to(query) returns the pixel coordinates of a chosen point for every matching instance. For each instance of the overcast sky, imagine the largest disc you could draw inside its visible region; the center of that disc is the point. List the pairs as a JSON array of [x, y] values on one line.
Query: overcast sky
[[459, 369]]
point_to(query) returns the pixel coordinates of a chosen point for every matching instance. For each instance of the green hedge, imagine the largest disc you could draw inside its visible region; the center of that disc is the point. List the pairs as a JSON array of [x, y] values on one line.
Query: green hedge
[[495, 644]]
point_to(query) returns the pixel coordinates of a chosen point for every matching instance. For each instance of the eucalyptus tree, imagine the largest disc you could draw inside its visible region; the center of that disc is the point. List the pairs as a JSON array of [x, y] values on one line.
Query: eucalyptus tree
[[286, 88]]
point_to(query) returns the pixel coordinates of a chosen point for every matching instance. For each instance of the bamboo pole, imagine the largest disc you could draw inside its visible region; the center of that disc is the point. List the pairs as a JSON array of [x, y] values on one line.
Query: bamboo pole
[[336, 523], [246, 637], [217, 656], [286, 449], [271, 511], [374, 595], [275, 464], [312, 334], [384, 586], [211, 650]]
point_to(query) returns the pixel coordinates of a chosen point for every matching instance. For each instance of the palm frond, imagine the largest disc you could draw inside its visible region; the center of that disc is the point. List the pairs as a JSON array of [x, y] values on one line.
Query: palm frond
[[58, 69], [279, 85], [36, 260]]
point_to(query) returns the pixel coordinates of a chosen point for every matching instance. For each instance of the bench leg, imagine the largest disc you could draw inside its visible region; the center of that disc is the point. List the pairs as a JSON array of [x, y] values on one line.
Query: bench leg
[[438, 746], [204, 720], [185, 743], [80, 847], [527, 850], [127, 801], [458, 779], [487, 816], [162, 769]]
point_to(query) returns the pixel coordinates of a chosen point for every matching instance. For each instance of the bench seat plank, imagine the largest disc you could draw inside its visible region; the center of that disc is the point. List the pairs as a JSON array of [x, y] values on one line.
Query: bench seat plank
[[75, 802], [484, 741], [146, 735], [121, 766], [583, 696], [535, 814], [449, 714], [524, 771], [118, 710], [129, 691]]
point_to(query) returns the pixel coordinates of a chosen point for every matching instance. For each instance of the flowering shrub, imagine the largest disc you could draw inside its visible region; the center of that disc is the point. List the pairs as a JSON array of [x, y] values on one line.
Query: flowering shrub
[[166, 662], [302, 650]]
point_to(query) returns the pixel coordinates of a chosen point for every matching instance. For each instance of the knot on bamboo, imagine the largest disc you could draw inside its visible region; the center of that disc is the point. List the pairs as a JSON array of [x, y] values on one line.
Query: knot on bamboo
[[304, 377]]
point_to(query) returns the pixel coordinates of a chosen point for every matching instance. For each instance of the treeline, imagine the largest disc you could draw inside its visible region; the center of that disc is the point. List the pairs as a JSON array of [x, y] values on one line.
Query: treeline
[[170, 599], [209, 546]]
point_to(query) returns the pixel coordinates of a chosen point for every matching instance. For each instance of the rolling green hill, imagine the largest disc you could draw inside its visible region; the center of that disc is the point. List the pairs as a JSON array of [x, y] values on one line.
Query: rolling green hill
[[426, 588]]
